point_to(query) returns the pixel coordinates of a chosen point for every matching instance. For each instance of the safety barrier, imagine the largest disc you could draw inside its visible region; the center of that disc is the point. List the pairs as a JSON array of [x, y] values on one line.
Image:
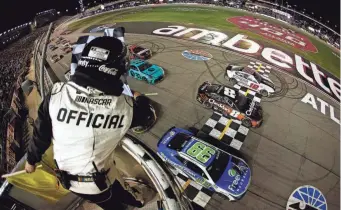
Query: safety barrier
[[165, 183]]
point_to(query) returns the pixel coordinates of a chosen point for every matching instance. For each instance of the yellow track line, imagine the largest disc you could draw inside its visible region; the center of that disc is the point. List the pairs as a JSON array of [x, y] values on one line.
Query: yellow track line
[[260, 65], [247, 92], [186, 185], [225, 129]]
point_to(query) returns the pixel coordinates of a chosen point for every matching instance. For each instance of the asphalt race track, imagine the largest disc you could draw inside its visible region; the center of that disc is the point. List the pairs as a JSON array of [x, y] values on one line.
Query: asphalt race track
[[296, 145]]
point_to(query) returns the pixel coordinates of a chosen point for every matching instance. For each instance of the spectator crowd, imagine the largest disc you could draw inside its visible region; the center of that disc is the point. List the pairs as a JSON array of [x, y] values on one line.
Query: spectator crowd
[[14, 60], [269, 9]]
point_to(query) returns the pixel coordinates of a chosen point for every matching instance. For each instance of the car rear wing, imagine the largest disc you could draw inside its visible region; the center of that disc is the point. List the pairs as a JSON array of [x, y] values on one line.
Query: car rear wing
[[200, 89]]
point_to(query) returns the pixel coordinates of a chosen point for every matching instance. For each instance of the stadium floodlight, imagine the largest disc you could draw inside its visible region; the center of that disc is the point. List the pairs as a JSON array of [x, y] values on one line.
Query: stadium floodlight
[[58, 12], [67, 10]]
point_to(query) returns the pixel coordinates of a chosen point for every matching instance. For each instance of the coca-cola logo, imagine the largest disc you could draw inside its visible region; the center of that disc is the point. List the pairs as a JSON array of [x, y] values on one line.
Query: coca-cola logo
[[111, 71], [274, 32]]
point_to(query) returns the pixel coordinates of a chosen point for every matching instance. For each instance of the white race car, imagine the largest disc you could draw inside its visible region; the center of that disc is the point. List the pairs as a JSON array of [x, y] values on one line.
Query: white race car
[[249, 78]]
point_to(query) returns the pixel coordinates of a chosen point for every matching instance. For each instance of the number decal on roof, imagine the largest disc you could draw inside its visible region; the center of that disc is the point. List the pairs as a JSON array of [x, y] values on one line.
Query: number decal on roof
[[254, 86], [229, 92], [200, 152]]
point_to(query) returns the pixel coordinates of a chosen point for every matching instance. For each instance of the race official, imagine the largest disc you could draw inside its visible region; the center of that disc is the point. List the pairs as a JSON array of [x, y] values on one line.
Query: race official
[[85, 119]]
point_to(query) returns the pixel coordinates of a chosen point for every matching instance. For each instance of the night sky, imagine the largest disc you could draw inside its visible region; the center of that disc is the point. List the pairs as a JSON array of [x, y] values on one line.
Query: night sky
[[327, 9], [16, 12]]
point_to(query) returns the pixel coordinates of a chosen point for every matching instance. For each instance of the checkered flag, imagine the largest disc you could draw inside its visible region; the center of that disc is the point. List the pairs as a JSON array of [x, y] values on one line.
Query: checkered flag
[[249, 93], [77, 51], [197, 194], [229, 131], [260, 68], [115, 32]]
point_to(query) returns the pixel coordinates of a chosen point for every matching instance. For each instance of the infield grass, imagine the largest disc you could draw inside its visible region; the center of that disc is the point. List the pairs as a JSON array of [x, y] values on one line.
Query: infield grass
[[214, 18]]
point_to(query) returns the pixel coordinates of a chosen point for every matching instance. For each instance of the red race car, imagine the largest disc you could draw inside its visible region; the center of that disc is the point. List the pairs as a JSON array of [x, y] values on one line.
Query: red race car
[[138, 52]]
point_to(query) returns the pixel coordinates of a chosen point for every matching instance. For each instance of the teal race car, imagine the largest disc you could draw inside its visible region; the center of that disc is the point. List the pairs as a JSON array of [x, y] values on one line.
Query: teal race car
[[142, 70]]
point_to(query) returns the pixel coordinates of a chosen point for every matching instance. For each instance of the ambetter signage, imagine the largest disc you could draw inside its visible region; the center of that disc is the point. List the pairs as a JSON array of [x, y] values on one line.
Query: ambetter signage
[[240, 43], [274, 32]]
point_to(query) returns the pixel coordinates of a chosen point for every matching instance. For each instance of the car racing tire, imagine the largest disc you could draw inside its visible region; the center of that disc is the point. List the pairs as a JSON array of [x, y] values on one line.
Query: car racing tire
[[233, 81], [207, 105], [260, 111], [246, 122], [264, 93]]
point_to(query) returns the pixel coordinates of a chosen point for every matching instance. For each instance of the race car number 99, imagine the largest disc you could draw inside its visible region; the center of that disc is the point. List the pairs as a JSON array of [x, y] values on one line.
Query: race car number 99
[[200, 152]]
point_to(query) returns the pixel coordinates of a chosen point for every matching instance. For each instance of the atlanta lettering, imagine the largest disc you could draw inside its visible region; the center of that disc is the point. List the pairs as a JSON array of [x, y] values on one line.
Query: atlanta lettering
[[95, 101], [90, 119]]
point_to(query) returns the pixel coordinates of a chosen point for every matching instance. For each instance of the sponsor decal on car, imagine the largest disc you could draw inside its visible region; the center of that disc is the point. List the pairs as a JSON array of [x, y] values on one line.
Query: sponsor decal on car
[[222, 106], [286, 61], [203, 182], [171, 133], [249, 111], [273, 32], [232, 172], [165, 140], [307, 197]]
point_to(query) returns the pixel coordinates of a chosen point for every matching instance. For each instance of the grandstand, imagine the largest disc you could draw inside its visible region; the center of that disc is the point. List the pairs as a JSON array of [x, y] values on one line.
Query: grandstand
[[14, 34], [298, 19], [45, 17], [267, 8]]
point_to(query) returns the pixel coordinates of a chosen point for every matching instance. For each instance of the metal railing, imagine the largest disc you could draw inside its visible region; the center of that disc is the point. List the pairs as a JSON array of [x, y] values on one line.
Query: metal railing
[[42, 61]]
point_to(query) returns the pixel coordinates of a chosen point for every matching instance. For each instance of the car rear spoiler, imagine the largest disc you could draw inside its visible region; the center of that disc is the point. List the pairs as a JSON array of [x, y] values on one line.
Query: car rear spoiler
[[158, 143], [202, 85]]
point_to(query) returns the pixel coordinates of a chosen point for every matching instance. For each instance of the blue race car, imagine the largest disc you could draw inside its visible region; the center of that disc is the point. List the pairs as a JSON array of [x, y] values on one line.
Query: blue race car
[[142, 70], [207, 165]]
